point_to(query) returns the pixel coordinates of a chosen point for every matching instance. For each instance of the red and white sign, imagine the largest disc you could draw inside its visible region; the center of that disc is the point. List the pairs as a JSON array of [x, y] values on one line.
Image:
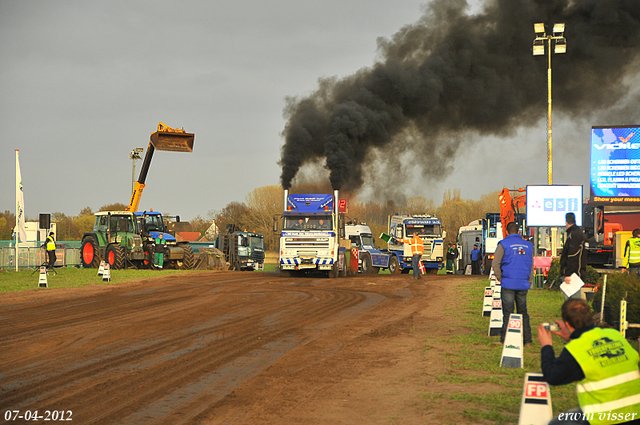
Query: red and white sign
[[488, 292], [497, 303], [536, 390], [515, 324]]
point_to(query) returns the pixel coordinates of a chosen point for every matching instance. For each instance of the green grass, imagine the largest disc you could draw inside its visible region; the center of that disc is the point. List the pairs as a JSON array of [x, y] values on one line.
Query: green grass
[[67, 277]]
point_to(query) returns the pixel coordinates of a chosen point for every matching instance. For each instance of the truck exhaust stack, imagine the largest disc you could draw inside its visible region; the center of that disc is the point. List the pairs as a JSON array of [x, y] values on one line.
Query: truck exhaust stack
[[286, 195], [335, 202]]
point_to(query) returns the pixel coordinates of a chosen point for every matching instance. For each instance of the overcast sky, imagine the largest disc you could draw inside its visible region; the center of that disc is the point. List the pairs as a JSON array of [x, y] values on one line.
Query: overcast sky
[[83, 83]]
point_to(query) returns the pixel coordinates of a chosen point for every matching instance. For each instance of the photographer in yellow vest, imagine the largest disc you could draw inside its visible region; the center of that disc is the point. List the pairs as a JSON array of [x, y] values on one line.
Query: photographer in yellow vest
[[600, 360]]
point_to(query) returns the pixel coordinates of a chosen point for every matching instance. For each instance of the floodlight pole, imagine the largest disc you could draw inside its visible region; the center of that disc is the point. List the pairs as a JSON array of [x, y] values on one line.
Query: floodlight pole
[[541, 36], [135, 154]]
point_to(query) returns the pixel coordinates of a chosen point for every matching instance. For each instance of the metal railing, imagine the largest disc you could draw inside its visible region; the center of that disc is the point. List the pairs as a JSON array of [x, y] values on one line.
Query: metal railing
[[33, 257]]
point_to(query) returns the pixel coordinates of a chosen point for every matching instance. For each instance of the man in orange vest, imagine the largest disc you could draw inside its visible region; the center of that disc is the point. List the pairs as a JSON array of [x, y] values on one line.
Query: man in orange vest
[[417, 248]]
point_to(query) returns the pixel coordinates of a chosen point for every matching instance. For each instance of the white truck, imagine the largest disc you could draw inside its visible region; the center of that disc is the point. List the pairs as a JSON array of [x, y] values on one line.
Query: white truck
[[310, 237]]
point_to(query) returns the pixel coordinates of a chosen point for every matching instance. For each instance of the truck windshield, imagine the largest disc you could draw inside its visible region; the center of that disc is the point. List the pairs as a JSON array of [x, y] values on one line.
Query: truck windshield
[[367, 239], [424, 230], [255, 242], [297, 222]]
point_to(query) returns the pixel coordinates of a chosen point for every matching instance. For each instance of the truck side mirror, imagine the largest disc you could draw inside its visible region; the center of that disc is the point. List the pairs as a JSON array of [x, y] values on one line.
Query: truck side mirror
[[444, 234], [275, 224]]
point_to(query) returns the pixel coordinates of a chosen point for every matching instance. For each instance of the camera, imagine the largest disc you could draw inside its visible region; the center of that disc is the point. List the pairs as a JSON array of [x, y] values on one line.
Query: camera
[[551, 327]]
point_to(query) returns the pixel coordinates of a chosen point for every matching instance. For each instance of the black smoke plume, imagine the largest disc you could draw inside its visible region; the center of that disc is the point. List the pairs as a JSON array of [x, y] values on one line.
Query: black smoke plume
[[454, 74]]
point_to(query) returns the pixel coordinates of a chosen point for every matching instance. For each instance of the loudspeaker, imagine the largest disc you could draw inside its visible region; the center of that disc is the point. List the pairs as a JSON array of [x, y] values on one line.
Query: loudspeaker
[[45, 221]]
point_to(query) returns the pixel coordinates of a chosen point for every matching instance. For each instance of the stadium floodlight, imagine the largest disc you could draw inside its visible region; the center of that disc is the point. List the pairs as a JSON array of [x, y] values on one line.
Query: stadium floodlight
[[539, 30], [558, 29]]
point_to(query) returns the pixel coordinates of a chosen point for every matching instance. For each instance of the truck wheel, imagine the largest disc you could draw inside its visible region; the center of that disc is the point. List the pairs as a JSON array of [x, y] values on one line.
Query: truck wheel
[[115, 256], [375, 270], [393, 265], [89, 253], [333, 273], [188, 261], [366, 263]]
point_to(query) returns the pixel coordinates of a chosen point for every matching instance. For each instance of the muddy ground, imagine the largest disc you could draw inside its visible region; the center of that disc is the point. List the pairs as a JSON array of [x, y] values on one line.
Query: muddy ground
[[229, 348]]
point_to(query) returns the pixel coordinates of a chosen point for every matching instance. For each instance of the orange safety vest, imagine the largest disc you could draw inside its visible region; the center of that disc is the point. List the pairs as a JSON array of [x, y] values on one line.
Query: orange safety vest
[[417, 246]]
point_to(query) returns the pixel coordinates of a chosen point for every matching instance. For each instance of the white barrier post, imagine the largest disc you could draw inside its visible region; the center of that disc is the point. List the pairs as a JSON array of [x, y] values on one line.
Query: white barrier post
[[488, 301], [106, 274], [101, 268], [535, 407], [42, 281], [512, 352], [495, 322]]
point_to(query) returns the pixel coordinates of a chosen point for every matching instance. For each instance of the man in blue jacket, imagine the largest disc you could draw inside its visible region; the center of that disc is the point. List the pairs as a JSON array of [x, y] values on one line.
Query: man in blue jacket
[[475, 260], [514, 260]]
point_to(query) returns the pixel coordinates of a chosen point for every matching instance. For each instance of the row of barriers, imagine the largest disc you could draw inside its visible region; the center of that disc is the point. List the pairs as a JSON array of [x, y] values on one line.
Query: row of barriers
[[33, 257]]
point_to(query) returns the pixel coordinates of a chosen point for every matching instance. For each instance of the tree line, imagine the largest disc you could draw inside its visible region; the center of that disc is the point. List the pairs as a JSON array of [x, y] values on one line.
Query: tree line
[[263, 208]]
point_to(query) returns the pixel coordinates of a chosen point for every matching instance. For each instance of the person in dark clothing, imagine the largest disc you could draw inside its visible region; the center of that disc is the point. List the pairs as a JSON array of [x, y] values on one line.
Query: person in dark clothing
[[456, 254], [600, 360], [574, 253], [450, 257]]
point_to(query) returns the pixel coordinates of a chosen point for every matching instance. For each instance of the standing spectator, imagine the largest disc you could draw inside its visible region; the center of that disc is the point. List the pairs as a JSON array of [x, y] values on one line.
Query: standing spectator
[[574, 254], [159, 252], [475, 260], [632, 253], [51, 250], [514, 256], [417, 248], [450, 258], [600, 360], [456, 254]]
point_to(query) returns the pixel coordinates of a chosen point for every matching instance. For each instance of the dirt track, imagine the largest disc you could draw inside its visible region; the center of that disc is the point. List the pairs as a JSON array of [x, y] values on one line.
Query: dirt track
[[223, 347]]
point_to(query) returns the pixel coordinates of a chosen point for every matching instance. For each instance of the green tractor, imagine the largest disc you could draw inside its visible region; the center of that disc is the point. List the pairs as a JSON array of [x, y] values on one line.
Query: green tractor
[[115, 240]]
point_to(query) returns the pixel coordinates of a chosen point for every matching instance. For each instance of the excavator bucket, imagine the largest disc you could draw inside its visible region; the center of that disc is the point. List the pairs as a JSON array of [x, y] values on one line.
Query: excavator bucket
[[172, 141]]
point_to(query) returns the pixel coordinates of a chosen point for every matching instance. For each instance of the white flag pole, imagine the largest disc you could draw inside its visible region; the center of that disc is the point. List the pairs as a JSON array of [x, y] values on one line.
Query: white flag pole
[[19, 230], [15, 229]]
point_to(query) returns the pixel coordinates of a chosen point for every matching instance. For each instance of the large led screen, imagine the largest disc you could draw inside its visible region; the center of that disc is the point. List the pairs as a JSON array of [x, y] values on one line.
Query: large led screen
[[615, 165], [548, 205]]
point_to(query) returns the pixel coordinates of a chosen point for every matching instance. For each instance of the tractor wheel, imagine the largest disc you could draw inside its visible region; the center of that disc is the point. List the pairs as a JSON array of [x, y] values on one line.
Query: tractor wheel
[[189, 260], [366, 263], [89, 253], [393, 265], [149, 257], [115, 256]]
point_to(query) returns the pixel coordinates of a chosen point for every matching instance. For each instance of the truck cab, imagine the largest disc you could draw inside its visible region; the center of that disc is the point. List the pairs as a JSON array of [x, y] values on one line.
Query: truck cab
[[310, 240]]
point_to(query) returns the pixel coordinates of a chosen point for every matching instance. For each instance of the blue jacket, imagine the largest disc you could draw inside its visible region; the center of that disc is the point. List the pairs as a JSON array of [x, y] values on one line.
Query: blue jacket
[[517, 262], [475, 254]]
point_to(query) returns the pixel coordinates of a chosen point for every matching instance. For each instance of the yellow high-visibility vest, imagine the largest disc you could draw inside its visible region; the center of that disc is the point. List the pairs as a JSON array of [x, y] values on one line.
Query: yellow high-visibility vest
[[51, 244]]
